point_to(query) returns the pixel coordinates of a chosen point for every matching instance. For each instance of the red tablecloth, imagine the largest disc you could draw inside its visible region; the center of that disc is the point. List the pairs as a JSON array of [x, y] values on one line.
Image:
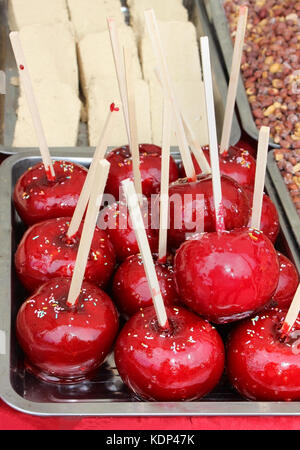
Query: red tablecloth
[[11, 419]]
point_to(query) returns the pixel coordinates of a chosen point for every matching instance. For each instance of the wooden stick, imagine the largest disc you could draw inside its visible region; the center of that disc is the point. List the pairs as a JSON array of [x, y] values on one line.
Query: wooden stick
[[134, 145], [234, 78], [86, 190], [196, 148], [192, 142], [212, 133], [154, 34], [260, 173], [292, 314], [32, 104], [120, 69], [164, 183], [140, 233], [99, 182]]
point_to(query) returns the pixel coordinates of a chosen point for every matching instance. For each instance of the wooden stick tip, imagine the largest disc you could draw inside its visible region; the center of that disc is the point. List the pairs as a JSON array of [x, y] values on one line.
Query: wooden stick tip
[[113, 107], [243, 9]]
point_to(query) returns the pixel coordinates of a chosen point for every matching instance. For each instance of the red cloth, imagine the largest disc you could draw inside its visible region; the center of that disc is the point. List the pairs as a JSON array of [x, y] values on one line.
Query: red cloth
[[11, 420]]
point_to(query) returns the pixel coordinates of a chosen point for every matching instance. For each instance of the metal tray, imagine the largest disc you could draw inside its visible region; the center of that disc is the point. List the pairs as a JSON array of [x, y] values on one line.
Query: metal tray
[[8, 107], [288, 207], [219, 20], [106, 394]]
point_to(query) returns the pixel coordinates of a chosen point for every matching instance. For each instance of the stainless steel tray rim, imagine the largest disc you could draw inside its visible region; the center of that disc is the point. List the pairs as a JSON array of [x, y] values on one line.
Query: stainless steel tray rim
[[98, 407], [166, 409]]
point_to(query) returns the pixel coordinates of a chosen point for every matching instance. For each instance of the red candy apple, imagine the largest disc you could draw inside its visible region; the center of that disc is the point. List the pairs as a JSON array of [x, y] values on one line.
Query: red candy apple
[[260, 365], [115, 219], [130, 288], [287, 284], [186, 203], [62, 343], [36, 198], [235, 163], [150, 167], [269, 224], [45, 252], [246, 144], [184, 362], [226, 276]]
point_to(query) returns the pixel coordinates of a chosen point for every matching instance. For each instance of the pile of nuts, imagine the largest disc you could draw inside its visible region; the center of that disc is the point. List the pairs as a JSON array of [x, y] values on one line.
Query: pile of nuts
[[288, 162], [271, 65]]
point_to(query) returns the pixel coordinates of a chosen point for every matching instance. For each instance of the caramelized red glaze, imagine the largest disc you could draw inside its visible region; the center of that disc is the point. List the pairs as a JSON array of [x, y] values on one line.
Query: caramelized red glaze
[[226, 276], [116, 220], [45, 252], [287, 283], [150, 166], [262, 366], [61, 343], [130, 288], [37, 199], [269, 223], [196, 198], [236, 163], [183, 363]]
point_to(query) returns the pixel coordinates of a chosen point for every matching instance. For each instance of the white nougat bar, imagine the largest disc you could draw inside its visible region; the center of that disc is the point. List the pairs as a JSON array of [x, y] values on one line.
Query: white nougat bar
[[190, 97], [89, 16], [182, 53], [50, 53], [96, 57], [29, 12], [165, 11], [59, 108], [101, 93]]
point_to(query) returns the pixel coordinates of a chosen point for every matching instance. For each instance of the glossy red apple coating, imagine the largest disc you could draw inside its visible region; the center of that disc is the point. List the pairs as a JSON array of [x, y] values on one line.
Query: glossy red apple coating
[[130, 288], [150, 167], [235, 163], [62, 343], [116, 221], [45, 252], [37, 199], [227, 276], [287, 284], [183, 363], [183, 219], [260, 365], [269, 224], [244, 144]]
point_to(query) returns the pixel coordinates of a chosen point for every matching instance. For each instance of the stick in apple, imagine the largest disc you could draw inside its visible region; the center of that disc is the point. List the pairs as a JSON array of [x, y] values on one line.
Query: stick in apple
[[164, 183], [120, 69], [134, 145], [260, 173], [32, 104], [164, 74], [212, 133], [292, 314], [86, 190], [196, 148], [139, 229], [234, 78], [98, 185]]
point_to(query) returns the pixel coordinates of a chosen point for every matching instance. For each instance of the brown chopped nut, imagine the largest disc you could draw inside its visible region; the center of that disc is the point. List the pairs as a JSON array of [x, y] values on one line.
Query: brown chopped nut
[[276, 83], [296, 168], [271, 64], [269, 60], [275, 68]]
